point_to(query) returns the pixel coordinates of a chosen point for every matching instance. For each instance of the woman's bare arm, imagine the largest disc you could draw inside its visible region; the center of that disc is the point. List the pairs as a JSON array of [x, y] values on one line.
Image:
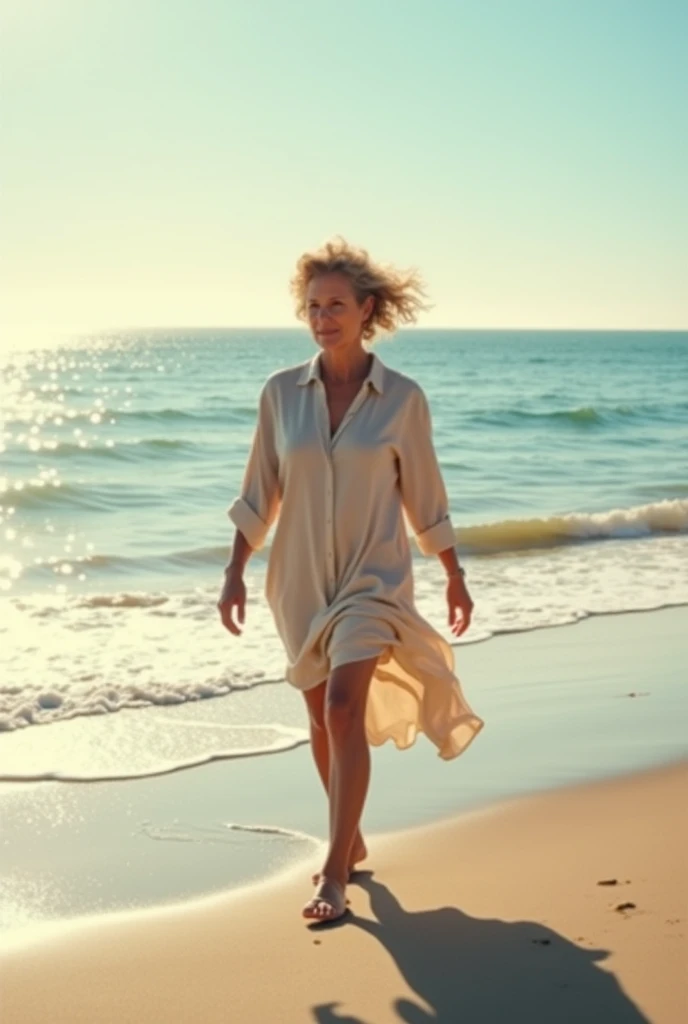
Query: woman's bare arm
[[241, 552]]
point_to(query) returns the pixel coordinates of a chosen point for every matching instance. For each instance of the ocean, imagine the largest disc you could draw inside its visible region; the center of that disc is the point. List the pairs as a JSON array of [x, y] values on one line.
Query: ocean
[[565, 456]]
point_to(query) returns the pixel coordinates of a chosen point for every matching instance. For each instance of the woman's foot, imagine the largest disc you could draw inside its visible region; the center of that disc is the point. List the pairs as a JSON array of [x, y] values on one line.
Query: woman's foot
[[359, 852], [328, 902]]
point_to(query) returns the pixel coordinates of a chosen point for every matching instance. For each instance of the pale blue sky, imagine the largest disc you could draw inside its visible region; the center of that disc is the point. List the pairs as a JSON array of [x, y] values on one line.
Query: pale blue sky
[[164, 162]]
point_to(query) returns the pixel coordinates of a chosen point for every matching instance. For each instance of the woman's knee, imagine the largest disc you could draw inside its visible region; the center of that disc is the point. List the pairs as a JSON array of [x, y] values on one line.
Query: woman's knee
[[346, 698], [343, 714]]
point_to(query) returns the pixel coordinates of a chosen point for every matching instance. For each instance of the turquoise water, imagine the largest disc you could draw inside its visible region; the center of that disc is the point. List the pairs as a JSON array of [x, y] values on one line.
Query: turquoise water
[[565, 456]]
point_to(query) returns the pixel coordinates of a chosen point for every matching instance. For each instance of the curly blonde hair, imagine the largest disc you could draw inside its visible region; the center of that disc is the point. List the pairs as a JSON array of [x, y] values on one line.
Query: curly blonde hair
[[398, 294]]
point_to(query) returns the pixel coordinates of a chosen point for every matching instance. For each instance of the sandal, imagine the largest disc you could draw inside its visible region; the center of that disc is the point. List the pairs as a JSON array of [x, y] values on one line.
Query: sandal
[[328, 903]]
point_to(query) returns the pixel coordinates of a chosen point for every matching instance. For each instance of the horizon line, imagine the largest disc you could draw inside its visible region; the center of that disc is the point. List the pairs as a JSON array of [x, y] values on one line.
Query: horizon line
[[303, 328]]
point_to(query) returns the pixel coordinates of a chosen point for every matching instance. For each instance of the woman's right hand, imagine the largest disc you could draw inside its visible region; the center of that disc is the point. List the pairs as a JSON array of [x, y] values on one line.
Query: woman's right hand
[[233, 596]]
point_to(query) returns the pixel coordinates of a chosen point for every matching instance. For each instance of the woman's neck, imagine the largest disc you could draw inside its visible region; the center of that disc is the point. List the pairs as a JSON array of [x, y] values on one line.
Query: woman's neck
[[346, 368]]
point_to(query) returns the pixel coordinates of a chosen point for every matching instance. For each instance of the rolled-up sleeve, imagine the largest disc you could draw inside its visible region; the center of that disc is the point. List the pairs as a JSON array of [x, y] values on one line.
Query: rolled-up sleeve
[[423, 492], [256, 508]]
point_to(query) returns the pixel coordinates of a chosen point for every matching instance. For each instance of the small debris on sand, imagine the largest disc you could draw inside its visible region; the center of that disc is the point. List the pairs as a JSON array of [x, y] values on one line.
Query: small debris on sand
[[625, 906]]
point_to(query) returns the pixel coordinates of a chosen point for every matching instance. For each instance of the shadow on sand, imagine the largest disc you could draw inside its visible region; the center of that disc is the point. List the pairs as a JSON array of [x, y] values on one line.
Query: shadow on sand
[[469, 970]]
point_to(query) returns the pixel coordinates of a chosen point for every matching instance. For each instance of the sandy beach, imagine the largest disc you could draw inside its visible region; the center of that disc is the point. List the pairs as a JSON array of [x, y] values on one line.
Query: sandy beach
[[566, 907], [481, 900]]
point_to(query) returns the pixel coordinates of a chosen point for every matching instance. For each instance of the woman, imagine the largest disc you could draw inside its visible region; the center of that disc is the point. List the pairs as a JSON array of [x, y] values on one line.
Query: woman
[[342, 445]]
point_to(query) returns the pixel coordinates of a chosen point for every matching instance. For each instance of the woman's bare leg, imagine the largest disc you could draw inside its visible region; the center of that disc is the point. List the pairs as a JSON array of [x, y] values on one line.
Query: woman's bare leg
[[320, 748], [346, 696]]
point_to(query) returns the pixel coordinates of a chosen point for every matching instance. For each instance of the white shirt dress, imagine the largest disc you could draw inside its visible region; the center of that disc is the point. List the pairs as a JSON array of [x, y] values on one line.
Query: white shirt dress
[[339, 579]]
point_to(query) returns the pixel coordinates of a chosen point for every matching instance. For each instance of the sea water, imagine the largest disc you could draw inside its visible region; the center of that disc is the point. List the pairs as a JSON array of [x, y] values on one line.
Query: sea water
[[565, 457]]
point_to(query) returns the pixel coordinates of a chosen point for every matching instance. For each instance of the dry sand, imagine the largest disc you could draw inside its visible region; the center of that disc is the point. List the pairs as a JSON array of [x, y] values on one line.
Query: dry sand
[[494, 917]]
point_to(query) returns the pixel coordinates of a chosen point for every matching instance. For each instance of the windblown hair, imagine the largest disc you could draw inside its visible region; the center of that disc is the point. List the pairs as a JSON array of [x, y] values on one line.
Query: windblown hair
[[398, 294]]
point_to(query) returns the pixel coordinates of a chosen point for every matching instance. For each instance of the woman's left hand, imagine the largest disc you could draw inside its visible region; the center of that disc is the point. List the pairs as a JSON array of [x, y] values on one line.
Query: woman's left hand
[[460, 605]]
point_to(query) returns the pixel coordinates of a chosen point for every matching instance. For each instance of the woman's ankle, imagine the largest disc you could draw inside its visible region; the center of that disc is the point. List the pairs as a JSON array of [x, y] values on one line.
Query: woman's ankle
[[335, 870]]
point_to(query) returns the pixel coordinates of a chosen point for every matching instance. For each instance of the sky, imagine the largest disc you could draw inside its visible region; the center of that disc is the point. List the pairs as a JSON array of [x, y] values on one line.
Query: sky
[[165, 162]]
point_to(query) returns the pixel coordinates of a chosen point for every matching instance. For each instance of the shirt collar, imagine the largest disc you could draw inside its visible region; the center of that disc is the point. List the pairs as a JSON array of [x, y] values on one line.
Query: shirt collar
[[311, 372]]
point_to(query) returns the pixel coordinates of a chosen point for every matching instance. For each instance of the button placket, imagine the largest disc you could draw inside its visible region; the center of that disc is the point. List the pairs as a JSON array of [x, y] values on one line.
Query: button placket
[[329, 495], [329, 491], [329, 523]]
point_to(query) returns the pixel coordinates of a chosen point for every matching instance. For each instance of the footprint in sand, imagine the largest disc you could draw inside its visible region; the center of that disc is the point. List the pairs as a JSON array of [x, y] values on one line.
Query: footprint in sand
[[621, 907]]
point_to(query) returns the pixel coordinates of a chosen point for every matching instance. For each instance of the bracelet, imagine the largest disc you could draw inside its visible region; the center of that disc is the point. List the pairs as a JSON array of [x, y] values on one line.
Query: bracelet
[[459, 572]]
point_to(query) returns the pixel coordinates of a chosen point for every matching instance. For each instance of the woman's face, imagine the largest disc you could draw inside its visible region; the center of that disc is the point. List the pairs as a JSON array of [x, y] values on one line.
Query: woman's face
[[335, 317]]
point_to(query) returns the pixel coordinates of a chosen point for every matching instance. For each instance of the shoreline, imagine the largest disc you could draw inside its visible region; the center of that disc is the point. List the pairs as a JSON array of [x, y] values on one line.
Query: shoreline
[[557, 711], [595, 929], [289, 742]]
